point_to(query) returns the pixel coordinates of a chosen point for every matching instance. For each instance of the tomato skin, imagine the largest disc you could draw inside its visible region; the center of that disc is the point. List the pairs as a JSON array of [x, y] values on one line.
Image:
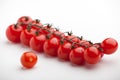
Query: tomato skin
[[24, 21], [77, 56], [64, 50], [13, 34], [28, 59], [92, 55], [26, 36], [51, 46], [37, 42], [109, 45]]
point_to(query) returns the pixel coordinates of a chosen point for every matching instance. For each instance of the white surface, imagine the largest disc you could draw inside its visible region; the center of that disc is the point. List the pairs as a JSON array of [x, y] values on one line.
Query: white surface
[[94, 19]]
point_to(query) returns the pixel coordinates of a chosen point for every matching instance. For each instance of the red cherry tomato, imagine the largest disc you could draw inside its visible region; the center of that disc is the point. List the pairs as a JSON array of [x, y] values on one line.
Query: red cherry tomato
[[77, 56], [109, 45], [58, 34], [24, 21], [98, 45], [92, 55], [13, 33], [85, 43], [36, 24], [47, 29], [64, 50], [51, 46], [73, 38], [37, 42], [26, 35], [28, 59]]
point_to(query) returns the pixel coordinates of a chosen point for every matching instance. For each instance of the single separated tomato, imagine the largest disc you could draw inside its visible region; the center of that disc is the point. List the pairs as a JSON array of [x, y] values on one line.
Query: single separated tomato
[[28, 59], [13, 33]]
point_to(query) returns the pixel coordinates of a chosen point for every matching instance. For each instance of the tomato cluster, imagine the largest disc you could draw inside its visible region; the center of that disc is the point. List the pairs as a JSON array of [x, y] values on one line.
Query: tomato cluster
[[51, 41]]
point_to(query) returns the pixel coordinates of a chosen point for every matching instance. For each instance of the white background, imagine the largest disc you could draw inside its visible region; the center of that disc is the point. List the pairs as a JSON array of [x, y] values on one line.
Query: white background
[[93, 19]]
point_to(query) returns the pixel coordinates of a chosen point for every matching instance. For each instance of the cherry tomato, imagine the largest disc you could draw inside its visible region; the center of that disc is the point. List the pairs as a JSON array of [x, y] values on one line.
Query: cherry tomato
[[26, 35], [51, 46], [13, 33], [24, 21], [85, 43], [109, 45], [64, 50], [98, 45], [58, 34], [77, 56], [36, 24], [47, 29], [73, 38], [92, 55], [28, 59], [37, 42]]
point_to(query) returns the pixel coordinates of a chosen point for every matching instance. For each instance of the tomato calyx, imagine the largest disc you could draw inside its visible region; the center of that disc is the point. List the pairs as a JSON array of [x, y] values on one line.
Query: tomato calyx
[[57, 29], [15, 26], [81, 37], [70, 33], [29, 28], [74, 45], [48, 36], [98, 45], [37, 33], [26, 18], [49, 25], [37, 20]]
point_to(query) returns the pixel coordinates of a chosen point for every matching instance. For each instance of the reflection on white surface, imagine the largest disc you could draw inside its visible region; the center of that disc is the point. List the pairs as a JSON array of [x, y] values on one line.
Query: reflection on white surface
[[94, 19]]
